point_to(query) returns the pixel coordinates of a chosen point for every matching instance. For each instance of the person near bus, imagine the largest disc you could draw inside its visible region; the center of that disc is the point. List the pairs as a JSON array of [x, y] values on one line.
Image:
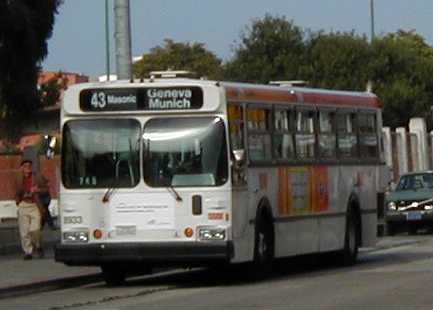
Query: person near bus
[[45, 200], [28, 187]]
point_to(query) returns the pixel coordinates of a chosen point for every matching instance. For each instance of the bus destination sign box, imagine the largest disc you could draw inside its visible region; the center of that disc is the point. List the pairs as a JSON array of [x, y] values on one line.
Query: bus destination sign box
[[141, 99]]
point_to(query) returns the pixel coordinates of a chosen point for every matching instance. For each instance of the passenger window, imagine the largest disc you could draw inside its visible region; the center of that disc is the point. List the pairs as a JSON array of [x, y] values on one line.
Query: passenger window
[[305, 138], [259, 135], [368, 143], [347, 139], [283, 135], [327, 136], [236, 127]]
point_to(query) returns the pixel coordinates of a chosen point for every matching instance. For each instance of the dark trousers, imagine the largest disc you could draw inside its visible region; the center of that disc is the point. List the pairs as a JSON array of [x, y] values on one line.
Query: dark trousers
[[46, 218]]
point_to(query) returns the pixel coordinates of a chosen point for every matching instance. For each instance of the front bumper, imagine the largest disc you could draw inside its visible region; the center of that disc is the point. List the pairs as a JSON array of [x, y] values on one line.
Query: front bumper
[[410, 216], [97, 254]]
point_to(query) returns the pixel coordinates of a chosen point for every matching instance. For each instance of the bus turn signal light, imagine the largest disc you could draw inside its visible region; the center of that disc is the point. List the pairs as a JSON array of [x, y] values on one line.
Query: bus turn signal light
[[97, 234], [189, 232]]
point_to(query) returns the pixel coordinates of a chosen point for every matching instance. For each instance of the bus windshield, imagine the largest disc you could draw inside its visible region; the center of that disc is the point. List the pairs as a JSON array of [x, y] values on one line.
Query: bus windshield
[[101, 153], [185, 152]]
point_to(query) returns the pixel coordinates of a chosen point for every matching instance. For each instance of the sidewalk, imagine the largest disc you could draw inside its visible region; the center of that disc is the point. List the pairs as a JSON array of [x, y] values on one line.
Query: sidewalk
[[40, 274], [37, 274]]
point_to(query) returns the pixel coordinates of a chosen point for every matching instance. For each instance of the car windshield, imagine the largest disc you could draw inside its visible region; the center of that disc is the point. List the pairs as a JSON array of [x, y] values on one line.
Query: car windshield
[[101, 153], [415, 181], [185, 152]]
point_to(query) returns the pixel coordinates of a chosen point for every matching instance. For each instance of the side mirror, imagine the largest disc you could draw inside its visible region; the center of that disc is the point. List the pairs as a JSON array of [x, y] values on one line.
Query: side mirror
[[239, 156], [50, 143]]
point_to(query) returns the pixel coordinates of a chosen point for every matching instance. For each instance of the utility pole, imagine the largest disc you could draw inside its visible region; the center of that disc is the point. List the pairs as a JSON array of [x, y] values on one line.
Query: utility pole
[[123, 39], [372, 19], [107, 40]]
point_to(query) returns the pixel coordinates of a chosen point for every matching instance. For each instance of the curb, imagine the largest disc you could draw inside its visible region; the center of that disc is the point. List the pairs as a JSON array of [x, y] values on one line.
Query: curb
[[391, 245], [49, 285]]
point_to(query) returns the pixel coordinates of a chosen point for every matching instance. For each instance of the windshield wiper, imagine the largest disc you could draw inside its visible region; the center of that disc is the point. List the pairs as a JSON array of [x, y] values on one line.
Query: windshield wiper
[[176, 195]]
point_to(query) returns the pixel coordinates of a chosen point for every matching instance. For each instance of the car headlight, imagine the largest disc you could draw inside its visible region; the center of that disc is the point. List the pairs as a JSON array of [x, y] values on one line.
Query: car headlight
[[76, 236], [392, 206], [211, 233]]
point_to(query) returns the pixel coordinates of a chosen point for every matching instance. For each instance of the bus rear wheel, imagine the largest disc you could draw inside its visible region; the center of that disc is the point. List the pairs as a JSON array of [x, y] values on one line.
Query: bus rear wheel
[[349, 253], [263, 247], [113, 276]]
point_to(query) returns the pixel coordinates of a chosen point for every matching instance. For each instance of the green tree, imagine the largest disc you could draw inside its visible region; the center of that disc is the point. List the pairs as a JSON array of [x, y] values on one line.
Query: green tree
[[179, 56], [271, 49], [25, 26], [337, 61], [401, 66]]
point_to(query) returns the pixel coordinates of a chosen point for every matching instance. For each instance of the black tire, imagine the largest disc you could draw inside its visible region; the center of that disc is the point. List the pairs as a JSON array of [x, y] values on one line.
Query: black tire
[[263, 247], [412, 229], [113, 276], [349, 253], [390, 229]]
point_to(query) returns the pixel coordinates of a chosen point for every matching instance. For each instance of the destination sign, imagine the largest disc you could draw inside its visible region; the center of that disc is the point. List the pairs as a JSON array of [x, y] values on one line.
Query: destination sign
[[149, 99]]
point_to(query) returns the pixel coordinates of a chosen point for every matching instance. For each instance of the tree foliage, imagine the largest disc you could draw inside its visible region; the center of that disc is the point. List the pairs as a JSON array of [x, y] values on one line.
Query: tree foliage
[[337, 60], [25, 26], [271, 49], [399, 65], [179, 56], [401, 70]]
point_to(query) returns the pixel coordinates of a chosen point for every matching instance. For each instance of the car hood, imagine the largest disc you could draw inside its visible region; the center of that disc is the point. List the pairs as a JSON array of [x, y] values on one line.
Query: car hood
[[409, 195]]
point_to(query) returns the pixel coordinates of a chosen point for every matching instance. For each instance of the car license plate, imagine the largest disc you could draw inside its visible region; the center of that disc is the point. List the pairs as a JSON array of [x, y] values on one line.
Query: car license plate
[[413, 216]]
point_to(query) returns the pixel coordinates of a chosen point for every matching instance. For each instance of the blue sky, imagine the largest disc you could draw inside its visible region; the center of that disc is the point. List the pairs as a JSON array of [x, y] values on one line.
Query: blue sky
[[78, 41]]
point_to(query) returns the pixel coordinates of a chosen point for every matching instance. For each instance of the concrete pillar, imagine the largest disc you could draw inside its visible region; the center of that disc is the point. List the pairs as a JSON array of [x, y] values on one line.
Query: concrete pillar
[[387, 146], [401, 149], [418, 127], [122, 26]]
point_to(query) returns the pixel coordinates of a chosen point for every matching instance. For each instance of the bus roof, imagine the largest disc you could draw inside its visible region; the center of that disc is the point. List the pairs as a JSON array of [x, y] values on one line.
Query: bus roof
[[288, 94], [253, 93]]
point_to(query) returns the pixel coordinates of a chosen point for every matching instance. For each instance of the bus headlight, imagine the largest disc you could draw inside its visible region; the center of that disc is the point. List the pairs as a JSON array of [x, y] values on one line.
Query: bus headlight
[[76, 236], [211, 233], [392, 206]]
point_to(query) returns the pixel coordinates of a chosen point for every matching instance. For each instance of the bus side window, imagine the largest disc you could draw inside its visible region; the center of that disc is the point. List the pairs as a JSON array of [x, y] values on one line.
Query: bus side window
[[368, 143], [236, 127], [327, 134], [259, 134], [347, 139], [305, 134], [283, 134]]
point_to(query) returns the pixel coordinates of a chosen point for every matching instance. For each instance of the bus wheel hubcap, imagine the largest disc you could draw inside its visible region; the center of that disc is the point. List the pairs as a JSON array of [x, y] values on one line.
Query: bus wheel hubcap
[[352, 239], [262, 246]]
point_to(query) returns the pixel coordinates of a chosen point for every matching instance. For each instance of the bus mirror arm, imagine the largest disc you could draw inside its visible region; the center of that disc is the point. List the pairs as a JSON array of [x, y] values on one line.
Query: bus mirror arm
[[50, 145]]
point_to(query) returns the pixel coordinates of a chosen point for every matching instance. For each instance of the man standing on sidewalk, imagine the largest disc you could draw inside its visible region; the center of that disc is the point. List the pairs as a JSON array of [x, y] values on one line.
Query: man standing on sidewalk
[[28, 187]]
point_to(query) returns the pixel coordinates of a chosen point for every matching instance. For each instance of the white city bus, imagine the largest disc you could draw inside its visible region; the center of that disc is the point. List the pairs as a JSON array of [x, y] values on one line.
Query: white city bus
[[186, 171]]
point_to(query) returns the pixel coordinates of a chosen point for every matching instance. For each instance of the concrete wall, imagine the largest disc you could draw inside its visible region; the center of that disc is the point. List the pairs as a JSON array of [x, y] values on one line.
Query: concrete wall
[[408, 150]]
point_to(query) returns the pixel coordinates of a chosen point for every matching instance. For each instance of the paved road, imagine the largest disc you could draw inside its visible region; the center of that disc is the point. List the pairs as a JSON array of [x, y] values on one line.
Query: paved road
[[389, 278]]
